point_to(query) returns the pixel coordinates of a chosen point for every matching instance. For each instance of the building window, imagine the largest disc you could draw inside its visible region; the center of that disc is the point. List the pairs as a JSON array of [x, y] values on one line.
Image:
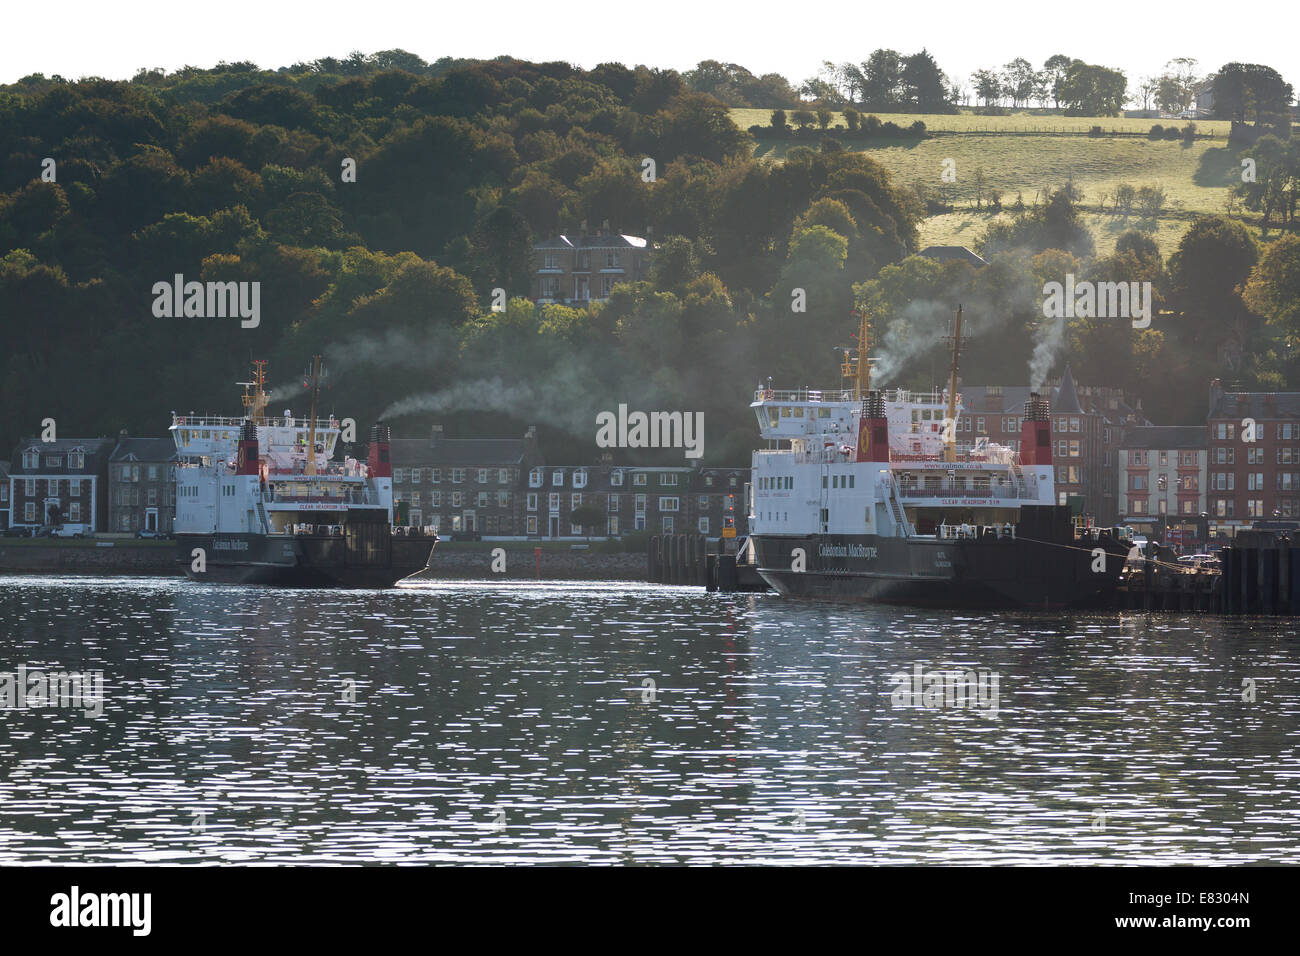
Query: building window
[[703, 502], [1288, 430], [53, 461], [482, 476], [668, 524], [1254, 508], [503, 499], [640, 504], [503, 476], [557, 479], [457, 499], [458, 476], [1255, 481], [575, 500], [553, 500], [1137, 506], [31, 460], [29, 487], [52, 487], [668, 504], [612, 504], [152, 497], [482, 499], [611, 526], [1254, 456], [532, 501], [580, 478], [435, 499], [532, 524], [616, 478], [535, 478], [29, 512], [703, 525], [1225, 431], [415, 475], [77, 459], [74, 487], [435, 475], [638, 479]]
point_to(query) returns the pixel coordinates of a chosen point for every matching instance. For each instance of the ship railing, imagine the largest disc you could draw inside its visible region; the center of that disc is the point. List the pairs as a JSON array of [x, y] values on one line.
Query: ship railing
[[271, 421], [952, 532], [820, 395], [947, 490], [354, 497]]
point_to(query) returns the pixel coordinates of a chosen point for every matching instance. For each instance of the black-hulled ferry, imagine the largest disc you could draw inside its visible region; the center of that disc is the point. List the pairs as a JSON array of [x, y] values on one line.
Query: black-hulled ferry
[[260, 500], [863, 494]]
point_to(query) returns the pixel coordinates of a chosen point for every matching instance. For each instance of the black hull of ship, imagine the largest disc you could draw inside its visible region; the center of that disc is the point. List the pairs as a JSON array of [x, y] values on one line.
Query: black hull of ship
[[372, 559], [1049, 572]]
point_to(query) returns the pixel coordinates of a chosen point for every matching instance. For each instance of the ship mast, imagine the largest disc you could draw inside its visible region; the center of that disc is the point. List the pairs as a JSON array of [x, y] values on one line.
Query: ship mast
[[855, 366], [314, 375], [950, 430], [255, 401]]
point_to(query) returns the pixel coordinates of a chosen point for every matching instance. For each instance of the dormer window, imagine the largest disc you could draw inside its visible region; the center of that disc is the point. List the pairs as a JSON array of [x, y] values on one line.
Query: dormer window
[[77, 459], [580, 478], [557, 479], [535, 478], [616, 478], [32, 459]]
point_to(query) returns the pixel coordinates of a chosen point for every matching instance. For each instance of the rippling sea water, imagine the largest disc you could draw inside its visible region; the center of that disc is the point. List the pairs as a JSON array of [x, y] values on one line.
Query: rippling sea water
[[479, 722]]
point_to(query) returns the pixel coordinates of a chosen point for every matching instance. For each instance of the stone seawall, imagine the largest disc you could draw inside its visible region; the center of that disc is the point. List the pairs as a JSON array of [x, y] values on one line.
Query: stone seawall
[[554, 565], [87, 559]]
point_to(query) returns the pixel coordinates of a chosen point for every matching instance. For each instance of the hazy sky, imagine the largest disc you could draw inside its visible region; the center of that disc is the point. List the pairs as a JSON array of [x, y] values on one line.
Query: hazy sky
[[79, 38]]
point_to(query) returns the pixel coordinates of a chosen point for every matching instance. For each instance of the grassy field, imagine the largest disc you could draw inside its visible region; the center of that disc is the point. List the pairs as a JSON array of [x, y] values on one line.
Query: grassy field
[[1016, 123], [1196, 177]]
